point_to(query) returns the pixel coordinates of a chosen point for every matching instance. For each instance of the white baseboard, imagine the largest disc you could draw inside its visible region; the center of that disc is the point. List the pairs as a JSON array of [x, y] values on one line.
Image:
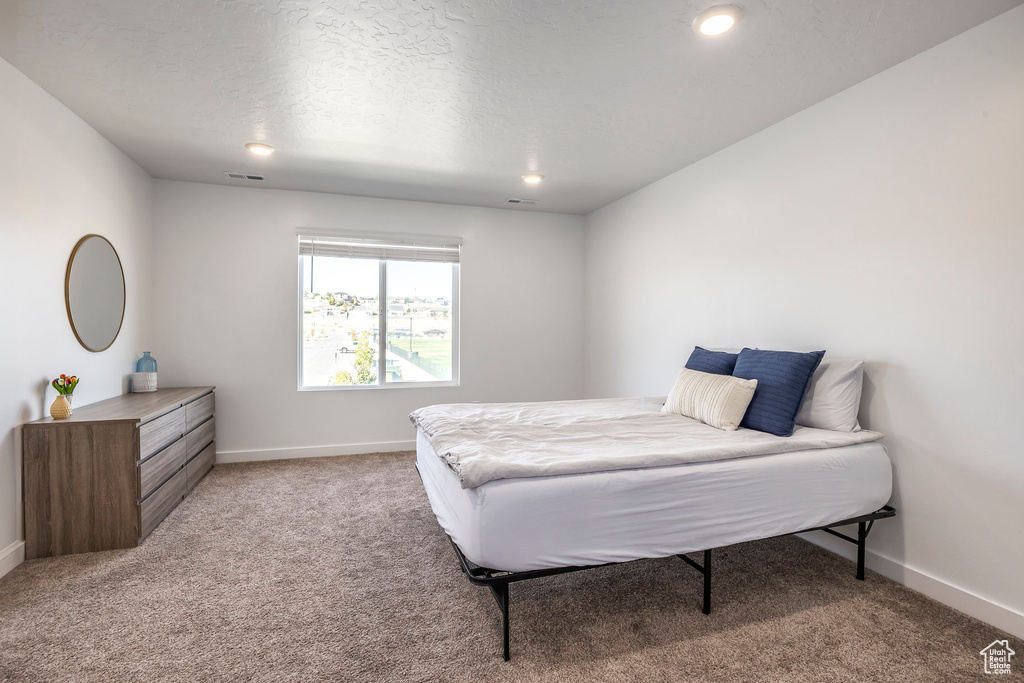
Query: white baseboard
[[12, 556], [314, 451], [1002, 617]]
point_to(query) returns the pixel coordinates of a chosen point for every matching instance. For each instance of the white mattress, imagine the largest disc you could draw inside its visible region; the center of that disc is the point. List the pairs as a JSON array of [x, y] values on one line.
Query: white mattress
[[600, 517]]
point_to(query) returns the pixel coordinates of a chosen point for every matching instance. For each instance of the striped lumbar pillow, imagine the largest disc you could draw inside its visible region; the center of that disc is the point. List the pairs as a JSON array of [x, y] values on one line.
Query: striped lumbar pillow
[[716, 400]]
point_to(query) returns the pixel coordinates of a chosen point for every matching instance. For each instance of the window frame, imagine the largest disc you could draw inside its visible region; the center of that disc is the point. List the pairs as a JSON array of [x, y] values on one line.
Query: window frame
[[382, 326]]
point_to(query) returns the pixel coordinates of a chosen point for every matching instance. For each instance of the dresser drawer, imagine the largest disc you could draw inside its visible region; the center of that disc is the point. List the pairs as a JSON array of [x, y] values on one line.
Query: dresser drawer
[[162, 501], [160, 466], [197, 411], [162, 431], [197, 468], [199, 438]]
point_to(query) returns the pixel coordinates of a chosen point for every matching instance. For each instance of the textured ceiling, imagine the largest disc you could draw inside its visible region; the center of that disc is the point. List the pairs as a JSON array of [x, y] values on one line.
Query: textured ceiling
[[453, 101]]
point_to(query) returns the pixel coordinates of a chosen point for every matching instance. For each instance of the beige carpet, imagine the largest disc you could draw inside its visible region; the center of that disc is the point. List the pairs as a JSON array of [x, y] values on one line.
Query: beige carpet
[[335, 569]]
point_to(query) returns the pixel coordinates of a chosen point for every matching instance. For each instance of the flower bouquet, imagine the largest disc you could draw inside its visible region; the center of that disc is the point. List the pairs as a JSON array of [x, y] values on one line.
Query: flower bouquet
[[65, 386]]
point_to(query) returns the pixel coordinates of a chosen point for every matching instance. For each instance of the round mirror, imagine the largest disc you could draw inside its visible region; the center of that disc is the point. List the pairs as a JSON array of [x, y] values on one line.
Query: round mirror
[[94, 292]]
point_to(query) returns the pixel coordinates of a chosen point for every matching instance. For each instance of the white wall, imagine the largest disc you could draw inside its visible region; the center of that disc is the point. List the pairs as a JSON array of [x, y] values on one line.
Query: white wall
[[59, 180], [227, 313], [887, 223]]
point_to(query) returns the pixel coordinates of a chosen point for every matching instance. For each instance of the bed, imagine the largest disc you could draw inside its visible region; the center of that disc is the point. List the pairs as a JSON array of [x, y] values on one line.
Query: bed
[[600, 482]]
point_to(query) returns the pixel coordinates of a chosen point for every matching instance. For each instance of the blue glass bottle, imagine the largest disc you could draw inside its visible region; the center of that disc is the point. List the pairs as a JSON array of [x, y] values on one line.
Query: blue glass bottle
[[145, 364]]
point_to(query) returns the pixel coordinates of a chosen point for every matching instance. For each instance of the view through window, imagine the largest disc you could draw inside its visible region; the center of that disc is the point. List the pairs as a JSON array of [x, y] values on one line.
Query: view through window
[[357, 310]]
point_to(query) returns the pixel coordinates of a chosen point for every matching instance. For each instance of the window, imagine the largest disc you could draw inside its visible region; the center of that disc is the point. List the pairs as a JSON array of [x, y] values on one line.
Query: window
[[378, 312]]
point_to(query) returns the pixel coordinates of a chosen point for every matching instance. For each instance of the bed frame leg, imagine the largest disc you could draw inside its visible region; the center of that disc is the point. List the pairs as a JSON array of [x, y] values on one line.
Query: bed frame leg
[[862, 537], [500, 592], [707, 582], [704, 569], [504, 625]]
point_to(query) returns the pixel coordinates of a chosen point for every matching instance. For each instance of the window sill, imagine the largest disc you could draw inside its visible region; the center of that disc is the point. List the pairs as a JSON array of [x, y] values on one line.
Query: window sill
[[388, 386]]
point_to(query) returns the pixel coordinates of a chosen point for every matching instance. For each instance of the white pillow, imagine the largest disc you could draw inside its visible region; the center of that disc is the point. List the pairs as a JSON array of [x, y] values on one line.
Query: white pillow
[[833, 398], [716, 400]]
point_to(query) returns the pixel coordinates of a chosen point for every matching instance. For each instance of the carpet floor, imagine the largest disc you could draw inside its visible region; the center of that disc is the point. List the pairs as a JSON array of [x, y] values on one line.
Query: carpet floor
[[334, 569]]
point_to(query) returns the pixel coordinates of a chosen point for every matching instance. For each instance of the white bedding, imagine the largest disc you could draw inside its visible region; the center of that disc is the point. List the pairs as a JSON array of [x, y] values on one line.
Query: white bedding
[[484, 442], [587, 519]]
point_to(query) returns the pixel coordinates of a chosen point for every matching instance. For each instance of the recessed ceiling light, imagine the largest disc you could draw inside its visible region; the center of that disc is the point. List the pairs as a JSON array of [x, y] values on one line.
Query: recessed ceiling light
[[260, 148], [715, 21], [533, 177]]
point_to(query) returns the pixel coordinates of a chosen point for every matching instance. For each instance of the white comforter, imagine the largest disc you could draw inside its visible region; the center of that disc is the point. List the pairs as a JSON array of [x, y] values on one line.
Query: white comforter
[[482, 442]]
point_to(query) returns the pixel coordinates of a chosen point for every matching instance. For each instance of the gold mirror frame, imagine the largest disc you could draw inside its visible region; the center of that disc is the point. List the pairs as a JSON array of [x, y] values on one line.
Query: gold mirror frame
[[67, 292]]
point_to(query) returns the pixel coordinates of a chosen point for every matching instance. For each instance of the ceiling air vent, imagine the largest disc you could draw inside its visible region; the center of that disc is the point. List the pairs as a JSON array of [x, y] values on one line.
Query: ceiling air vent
[[525, 202], [243, 176]]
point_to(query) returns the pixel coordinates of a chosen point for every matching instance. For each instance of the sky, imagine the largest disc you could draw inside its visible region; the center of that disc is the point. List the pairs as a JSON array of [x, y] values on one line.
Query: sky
[[360, 277]]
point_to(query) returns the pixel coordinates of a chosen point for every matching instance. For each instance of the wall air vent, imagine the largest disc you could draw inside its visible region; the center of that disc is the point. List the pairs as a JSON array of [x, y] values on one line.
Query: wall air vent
[[243, 176], [525, 202]]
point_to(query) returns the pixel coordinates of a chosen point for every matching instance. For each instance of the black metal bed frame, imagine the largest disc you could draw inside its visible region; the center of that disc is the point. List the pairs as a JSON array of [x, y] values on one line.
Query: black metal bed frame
[[499, 582]]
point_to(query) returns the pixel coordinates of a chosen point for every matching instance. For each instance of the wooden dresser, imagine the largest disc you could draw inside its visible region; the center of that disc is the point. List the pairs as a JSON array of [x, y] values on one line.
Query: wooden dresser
[[105, 477]]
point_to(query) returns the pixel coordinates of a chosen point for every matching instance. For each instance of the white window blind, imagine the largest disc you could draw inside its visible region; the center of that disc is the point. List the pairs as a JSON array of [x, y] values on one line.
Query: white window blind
[[383, 249]]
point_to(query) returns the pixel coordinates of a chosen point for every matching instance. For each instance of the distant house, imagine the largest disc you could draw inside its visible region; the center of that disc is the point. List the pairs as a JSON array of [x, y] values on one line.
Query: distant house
[[435, 334], [396, 309]]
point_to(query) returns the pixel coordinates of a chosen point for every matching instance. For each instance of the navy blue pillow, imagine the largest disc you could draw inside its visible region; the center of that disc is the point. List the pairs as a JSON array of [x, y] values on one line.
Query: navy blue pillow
[[782, 380], [715, 362]]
